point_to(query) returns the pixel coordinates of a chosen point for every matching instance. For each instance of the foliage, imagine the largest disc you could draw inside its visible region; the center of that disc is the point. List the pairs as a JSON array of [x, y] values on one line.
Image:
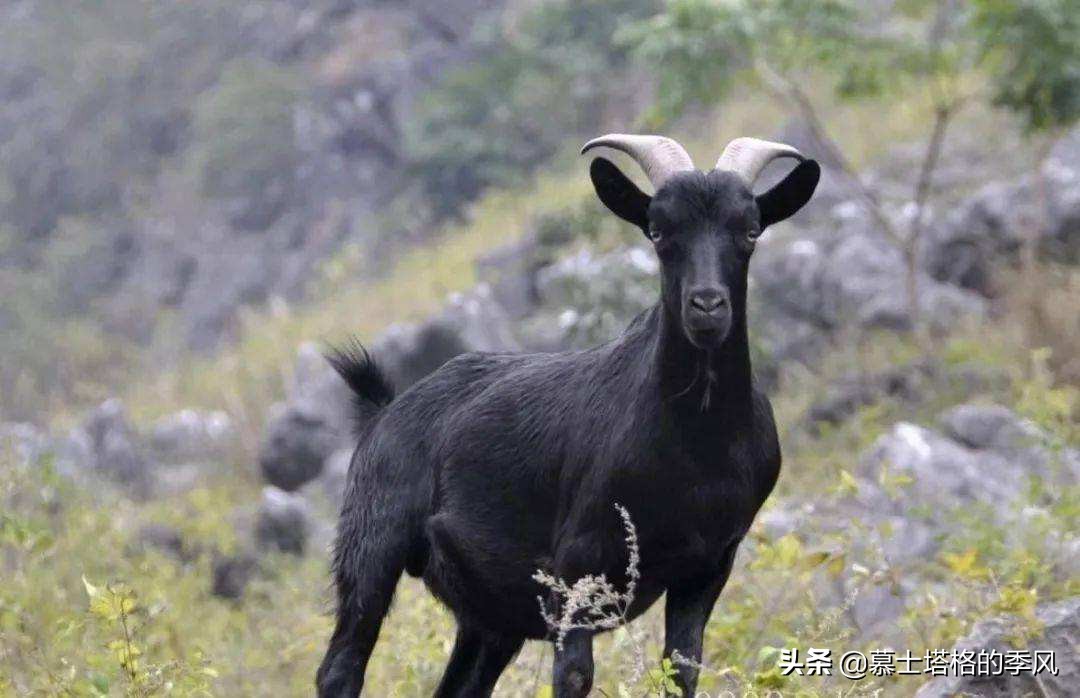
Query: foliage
[[85, 611], [115, 607], [533, 84], [244, 131], [700, 48], [102, 97], [47, 359], [1034, 48], [96, 100]]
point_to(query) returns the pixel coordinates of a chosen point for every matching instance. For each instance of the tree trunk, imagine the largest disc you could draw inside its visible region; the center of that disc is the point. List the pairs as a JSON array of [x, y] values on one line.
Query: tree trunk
[[911, 271], [1029, 250], [923, 186]]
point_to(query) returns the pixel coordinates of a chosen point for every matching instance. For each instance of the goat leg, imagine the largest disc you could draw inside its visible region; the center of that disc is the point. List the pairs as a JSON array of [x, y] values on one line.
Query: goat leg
[[476, 662], [687, 610], [573, 675]]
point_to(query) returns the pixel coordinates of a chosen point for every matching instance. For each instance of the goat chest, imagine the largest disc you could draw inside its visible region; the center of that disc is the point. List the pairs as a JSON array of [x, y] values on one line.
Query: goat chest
[[690, 507]]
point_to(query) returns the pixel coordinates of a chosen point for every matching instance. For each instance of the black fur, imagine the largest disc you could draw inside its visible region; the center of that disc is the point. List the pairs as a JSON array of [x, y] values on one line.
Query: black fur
[[619, 193], [497, 464], [371, 388], [791, 194]]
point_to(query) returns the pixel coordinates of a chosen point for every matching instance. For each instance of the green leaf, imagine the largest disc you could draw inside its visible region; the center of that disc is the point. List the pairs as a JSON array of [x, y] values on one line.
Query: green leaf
[[849, 486], [816, 559], [768, 655], [100, 682]]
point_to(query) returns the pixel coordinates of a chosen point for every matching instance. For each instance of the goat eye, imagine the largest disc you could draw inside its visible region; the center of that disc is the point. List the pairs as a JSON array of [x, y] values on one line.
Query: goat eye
[[654, 233]]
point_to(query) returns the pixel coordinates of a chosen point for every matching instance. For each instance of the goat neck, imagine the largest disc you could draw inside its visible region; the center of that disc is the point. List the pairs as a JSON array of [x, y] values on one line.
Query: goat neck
[[693, 380]]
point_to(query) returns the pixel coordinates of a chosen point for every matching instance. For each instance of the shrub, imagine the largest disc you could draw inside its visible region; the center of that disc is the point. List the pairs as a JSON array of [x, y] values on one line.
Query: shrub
[[511, 108], [244, 134]]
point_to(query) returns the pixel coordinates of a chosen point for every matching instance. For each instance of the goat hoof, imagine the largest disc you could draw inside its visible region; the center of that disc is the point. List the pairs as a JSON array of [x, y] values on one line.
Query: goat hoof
[[574, 685]]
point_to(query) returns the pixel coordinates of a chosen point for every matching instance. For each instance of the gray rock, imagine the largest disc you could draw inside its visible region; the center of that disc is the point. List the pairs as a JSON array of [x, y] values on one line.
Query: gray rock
[[335, 476], [849, 275], [852, 393], [779, 520], [1069, 560], [74, 452], [25, 441], [231, 574], [479, 320], [258, 211], [997, 429], [877, 606], [315, 421], [988, 427], [784, 339], [511, 271], [166, 539], [283, 522], [468, 322], [944, 473], [190, 435], [177, 478], [865, 280], [410, 352], [789, 277], [594, 297], [107, 446], [988, 229], [1060, 635], [310, 372], [298, 439], [908, 539], [114, 447]]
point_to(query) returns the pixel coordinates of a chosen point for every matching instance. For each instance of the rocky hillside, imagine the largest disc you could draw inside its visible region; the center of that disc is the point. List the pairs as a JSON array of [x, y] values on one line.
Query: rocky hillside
[[163, 167], [223, 148], [197, 198], [927, 500]]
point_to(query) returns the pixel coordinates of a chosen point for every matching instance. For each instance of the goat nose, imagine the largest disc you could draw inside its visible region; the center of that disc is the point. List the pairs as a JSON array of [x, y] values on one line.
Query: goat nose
[[708, 300]]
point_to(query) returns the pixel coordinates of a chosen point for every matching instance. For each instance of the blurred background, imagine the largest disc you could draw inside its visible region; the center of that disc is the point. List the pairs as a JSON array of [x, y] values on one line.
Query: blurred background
[[197, 197]]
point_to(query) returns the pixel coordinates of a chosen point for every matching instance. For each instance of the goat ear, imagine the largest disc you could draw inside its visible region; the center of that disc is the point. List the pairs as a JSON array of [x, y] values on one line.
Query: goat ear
[[619, 194], [791, 194]]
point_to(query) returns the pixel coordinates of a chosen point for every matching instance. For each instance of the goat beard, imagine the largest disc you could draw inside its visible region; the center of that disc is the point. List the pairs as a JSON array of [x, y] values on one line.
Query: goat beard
[[710, 381], [704, 365]]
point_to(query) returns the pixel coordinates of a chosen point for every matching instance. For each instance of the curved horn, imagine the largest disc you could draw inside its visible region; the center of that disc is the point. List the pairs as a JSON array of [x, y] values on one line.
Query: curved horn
[[747, 157], [659, 156]]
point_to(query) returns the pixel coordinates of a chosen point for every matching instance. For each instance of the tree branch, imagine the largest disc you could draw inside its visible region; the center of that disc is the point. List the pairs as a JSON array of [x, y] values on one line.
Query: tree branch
[[789, 92], [942, 116]]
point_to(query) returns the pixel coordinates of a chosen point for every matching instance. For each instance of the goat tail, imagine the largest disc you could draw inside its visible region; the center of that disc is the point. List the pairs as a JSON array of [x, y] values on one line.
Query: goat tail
[[371, 388]]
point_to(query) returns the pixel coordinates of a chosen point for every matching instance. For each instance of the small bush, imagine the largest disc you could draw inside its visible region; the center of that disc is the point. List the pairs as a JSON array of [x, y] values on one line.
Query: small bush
[[244, 135]]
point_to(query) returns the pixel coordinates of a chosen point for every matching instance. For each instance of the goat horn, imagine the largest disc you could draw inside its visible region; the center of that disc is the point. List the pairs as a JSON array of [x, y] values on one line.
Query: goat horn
[[747, 157], [659, 156]]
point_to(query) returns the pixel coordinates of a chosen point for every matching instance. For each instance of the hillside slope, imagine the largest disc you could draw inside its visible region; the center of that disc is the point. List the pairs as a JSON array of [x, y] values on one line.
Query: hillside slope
[[918, 497]]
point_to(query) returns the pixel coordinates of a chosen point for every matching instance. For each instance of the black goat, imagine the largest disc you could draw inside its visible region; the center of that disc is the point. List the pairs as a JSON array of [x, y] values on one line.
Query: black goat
[[497, 465]]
